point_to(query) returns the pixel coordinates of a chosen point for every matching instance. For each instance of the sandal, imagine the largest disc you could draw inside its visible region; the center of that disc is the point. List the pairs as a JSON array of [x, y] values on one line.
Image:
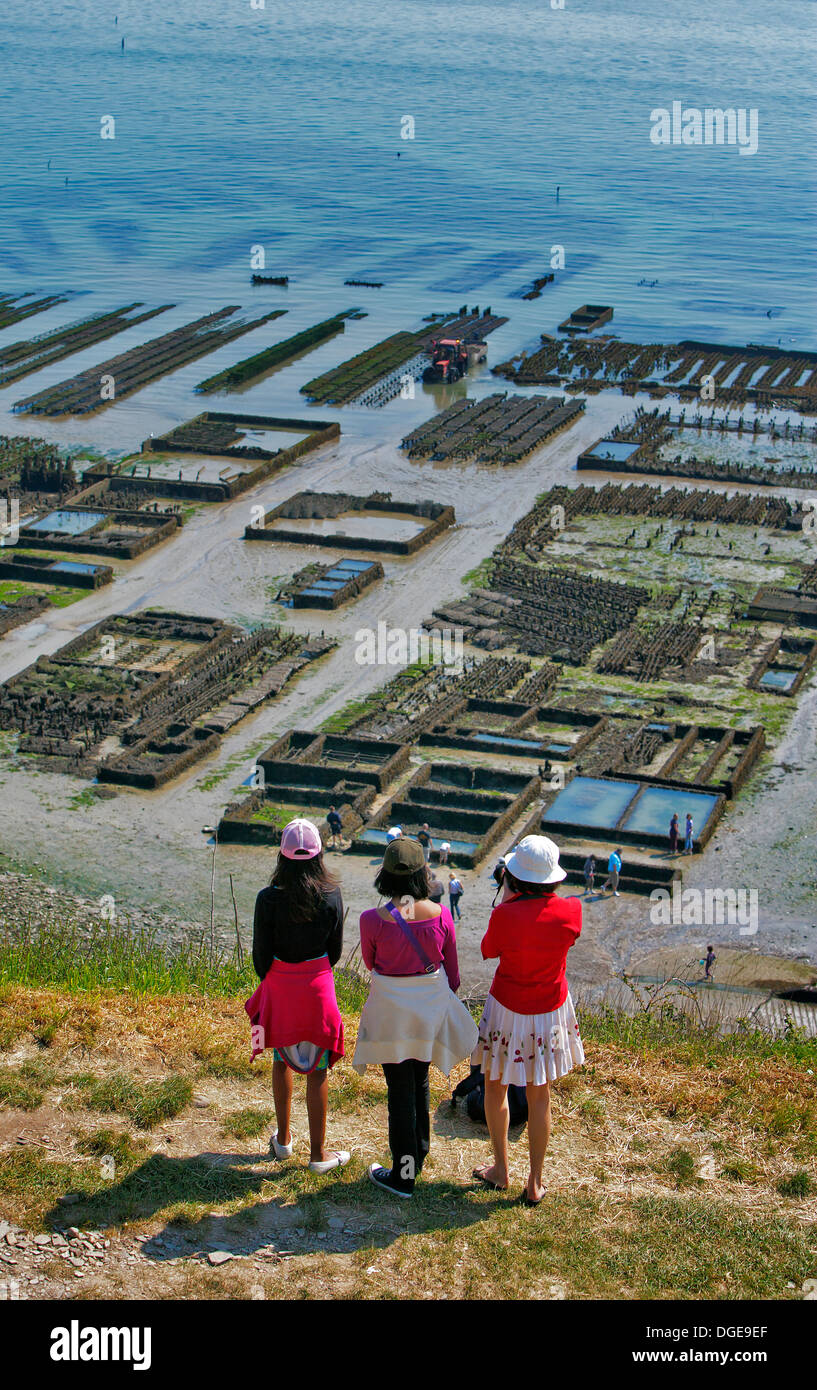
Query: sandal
[[479, 1173], [281, 1150], [339, 1159], [526, 1201]]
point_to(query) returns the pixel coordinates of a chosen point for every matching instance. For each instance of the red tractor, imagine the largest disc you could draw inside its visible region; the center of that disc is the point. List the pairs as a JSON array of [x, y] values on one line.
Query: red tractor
[[449, 360]]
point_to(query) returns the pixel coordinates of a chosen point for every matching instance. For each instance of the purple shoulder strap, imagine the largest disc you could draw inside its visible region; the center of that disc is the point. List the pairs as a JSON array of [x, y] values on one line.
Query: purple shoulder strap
[[397, 917]]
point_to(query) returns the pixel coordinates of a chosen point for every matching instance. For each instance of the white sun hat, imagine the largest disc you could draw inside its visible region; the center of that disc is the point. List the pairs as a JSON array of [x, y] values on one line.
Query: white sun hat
[[535, 860]]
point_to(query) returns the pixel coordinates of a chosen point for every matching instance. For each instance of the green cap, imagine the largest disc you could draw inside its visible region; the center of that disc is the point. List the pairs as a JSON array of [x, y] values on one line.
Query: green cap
[[404, 856]]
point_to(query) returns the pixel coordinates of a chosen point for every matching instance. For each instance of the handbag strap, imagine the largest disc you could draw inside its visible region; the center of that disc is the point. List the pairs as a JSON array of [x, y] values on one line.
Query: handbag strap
[[399, 919]]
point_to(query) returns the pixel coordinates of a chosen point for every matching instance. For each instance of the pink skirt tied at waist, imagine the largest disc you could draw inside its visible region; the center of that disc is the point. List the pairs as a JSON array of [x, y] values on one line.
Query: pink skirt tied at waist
[[296, 1003]]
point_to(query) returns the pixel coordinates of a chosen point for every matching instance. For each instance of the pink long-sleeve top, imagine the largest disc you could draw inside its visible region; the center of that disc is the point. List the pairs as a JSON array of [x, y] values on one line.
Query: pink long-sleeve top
[[386, 950]]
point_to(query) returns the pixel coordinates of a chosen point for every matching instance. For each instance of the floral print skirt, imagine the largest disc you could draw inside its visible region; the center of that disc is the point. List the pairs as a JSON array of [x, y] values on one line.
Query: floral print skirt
[[527, 1049]]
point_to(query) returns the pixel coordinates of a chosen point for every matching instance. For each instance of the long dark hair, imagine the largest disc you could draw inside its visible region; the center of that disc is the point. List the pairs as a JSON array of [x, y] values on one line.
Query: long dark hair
[[305, 881]]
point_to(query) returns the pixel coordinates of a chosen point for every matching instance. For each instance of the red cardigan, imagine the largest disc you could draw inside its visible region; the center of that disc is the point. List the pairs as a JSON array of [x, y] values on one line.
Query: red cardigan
[[531, 938]]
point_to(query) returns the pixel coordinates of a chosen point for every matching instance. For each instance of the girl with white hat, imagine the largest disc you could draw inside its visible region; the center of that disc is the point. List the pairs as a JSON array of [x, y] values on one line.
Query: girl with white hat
[[528, 1034]]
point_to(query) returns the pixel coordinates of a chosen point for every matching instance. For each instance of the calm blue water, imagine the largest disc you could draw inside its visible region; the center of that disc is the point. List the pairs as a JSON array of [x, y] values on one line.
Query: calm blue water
[[592, 801], [600, 803], [341, 574], [73, 567], [614, 449], [281, 127], [70, 523], [653, 810], [378, 837], [778, 678], [514, 745]]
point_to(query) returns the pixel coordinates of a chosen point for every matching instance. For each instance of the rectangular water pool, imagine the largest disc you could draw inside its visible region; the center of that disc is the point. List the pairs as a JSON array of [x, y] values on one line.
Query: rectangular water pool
[[67, 522], [778, 678], [375, 836], [592, 801], [652, 812], [617, 449], [519, 745], [73, 567]]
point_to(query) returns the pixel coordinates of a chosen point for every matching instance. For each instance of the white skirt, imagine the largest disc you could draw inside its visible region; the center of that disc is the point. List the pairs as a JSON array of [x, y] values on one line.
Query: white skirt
[[413, 1016], [527, 1049]]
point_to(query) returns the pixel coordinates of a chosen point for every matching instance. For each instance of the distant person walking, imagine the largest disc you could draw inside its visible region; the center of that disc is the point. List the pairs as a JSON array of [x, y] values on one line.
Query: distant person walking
[[589, 873], [297, 940], [528, 1034], [613, 871], [426, 841], [709, 961], [436, 888], [689, 843], [412, 1016], [444, 851], [335, 824], [674, 831], [454, 895]]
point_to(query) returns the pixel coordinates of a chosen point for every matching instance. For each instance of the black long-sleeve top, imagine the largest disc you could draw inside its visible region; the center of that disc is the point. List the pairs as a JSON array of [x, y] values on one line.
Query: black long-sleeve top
[[275, 935]]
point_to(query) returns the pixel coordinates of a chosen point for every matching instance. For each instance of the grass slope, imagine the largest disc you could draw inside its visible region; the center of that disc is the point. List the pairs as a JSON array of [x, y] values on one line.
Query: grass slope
[[683, 1164]]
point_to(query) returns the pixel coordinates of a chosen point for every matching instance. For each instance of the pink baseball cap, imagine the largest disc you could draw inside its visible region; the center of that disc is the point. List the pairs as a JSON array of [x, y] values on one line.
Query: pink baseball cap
[[300, 840]]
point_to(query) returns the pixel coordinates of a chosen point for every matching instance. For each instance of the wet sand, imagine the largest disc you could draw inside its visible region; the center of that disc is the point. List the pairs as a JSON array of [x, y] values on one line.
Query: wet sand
[[147, 850]]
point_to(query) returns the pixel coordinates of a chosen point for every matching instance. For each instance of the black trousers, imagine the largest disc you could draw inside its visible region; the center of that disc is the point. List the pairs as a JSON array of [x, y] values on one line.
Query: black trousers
[[409, 1125]]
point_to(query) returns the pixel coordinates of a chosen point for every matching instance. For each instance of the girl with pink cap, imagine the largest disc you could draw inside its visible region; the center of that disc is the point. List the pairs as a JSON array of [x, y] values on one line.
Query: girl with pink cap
[[297, 940]]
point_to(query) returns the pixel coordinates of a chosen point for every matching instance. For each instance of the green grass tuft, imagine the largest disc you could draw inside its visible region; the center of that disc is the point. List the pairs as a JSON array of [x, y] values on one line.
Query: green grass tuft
[[246, 1124], [682, 1166], [799, 1184], [145, 1105]]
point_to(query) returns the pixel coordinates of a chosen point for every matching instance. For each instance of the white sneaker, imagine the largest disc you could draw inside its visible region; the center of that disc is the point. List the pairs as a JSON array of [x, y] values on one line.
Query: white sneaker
[[281, 1150], [616, 894], [335, 1160]]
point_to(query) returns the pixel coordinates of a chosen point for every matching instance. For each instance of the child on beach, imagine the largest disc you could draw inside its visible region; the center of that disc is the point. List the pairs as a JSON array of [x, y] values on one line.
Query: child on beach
[[297, 939]]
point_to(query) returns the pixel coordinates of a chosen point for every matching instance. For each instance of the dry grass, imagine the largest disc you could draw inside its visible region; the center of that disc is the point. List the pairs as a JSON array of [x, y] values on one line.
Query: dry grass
[[671, 1173]]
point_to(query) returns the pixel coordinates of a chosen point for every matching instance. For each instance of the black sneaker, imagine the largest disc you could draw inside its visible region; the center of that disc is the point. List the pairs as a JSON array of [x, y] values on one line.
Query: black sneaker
[[383, 1177]]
